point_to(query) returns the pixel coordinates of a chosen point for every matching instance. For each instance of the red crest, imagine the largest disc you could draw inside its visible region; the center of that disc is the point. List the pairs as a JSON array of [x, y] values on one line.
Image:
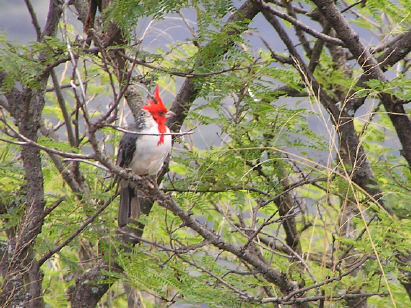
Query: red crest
[[158, 112]]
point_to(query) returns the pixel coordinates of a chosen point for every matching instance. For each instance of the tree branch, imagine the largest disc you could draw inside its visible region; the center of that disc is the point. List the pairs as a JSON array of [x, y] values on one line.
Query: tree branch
[[34, 19], [77, 232], [53, 18], [350, 145], [371, 67], [321, 297], [190, 89], [300, 25], [63, 108], [167, 202]]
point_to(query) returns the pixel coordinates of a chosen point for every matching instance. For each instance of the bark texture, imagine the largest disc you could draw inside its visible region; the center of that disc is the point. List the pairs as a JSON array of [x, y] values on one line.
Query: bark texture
[[22, 277]]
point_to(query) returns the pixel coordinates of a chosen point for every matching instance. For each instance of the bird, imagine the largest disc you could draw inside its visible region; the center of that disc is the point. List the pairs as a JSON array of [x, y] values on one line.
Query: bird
[[143, 154]]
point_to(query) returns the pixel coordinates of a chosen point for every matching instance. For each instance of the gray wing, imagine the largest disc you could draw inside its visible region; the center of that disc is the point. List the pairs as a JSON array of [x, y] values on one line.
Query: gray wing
[[126, 150]]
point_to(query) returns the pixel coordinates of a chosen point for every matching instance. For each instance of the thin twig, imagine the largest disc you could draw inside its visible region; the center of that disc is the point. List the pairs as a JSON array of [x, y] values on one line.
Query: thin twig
[[63, 108], [243, 295], [86, 162], [299, 24], [27, 141], [327, 281], [55, 205], [67, 85], [147, 134], [216, 191], [78, 231], [187, 74], [34, 19], [320, 297], [352, 5], [295, 8], [274, 55]]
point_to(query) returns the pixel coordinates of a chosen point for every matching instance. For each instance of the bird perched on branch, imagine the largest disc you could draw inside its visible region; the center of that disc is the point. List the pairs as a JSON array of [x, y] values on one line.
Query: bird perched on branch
[[143, 152]]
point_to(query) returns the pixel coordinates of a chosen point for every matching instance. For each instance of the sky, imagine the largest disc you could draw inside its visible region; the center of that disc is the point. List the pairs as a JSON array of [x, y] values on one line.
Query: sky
[[15, 21]]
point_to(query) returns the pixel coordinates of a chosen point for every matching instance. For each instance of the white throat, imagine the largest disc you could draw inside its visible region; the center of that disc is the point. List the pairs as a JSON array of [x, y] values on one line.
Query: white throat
[[149, 155]]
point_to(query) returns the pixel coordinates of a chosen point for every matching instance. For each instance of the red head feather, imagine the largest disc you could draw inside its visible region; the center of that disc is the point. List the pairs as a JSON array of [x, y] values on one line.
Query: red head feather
[[158, 112]]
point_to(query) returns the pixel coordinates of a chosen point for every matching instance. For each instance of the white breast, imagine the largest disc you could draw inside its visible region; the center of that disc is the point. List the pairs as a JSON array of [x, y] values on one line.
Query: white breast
[[149, 156]]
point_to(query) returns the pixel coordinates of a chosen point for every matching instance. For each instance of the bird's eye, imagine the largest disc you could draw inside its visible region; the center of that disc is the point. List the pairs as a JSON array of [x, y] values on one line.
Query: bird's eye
[[161, 113]]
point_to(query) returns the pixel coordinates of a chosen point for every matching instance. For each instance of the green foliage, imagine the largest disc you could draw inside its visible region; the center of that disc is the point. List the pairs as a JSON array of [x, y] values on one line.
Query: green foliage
[[399, 86], [395, 10], [153, 272], [127, 13], [19, 65], [25, 64], [12, 198]]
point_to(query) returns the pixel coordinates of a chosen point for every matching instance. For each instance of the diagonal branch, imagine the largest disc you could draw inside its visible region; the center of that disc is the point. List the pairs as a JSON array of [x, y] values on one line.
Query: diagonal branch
[[299, 63], [190, 89], [399, 48], [371, 67], [167, 202], [49, 254], [362, 174], [53, 18], [300, 25], [34, 19]]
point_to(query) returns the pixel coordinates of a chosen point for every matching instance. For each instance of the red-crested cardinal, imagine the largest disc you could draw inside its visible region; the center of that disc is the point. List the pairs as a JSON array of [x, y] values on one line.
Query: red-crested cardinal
[[144, 154]]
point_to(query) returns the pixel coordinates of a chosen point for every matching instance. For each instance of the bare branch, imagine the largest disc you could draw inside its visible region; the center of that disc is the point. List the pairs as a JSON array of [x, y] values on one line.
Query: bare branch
[[337, 278], [396, 111], [297, 23], [352, 5], [55, 205], [362, 175], [186, 74], [34, 19], [188, 92], [306, 75], [321, 297], [296, 9], [298, 30], [124, 130], [86, 162], [397, 50], [63, 108], [29, 142], [53, 18]]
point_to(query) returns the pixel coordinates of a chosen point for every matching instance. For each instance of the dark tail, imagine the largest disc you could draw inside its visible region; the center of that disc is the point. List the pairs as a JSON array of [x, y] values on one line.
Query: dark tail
[[129, 207]]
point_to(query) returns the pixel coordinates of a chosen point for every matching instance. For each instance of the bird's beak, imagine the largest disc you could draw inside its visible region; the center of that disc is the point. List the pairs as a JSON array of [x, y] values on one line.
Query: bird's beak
[[170, 114]]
